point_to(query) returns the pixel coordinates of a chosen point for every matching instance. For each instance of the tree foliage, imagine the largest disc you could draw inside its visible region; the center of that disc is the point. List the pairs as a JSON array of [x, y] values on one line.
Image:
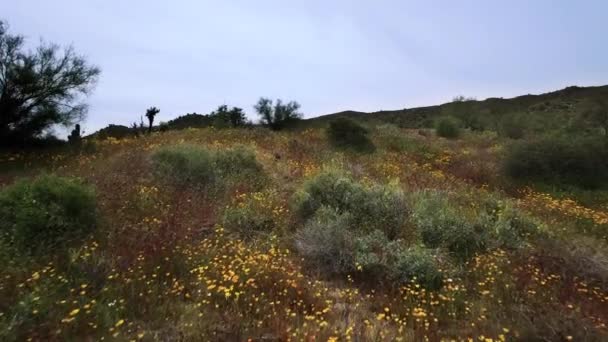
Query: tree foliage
[[40, 88], [224, 117], [279, 115], [150, 114]]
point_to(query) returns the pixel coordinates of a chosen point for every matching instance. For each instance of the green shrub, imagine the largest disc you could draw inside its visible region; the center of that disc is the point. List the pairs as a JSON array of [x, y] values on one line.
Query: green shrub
[[415, 264], [47, 212], [254, 213], [197, 166], [238, 163], [347, 134], [185, 165], [372, 207], [442, 224], [512, 228], [447, 127], [393, 139], [371, 254], [378, 258], [512, 127], [326, 241], [576, 161]]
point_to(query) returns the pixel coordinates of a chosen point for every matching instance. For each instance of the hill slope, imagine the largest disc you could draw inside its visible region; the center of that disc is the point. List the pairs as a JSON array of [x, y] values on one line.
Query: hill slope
[[545, 111]]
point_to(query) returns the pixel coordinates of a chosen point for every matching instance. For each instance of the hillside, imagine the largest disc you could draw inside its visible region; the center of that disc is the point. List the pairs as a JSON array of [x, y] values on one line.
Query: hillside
[[189, 235], [542, 112]]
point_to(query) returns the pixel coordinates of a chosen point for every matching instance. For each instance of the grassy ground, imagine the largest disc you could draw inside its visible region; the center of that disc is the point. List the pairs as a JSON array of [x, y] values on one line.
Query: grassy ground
[[161, 267]]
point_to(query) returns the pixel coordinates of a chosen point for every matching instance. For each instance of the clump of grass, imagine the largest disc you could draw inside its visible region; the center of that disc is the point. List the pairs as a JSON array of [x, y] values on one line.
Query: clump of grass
[[189, 165], [46, 213]]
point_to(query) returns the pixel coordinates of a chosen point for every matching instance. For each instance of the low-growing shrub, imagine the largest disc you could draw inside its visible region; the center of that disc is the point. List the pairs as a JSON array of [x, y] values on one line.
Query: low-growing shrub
[[372, 207], [326, 241], [185, 165], [512, 228], [393, 139], [45, 213], [447, 127], [442, 224], [254, 213], [577, 161], [415, 264], [378, 258], [348, 134], [197, 166]]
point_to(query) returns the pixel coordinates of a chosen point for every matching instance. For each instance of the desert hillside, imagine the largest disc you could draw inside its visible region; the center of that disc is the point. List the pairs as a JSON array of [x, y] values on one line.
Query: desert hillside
[[252, 234]]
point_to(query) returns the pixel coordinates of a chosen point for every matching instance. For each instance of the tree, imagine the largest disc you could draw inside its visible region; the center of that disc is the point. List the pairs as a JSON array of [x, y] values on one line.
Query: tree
[[40, 88], [150, 114], [223, 117], [279, 115]]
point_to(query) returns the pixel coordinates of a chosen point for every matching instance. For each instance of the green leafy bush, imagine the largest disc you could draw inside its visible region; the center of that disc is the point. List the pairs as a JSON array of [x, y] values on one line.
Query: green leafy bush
[[380, 258], [348, 134], [197, 166], [185, 165], [393, 139], [576, 161], [238, 163], [509, 227], [326, 241], [47, 212], [415, 264], [512, 127], [447, 127], [441, 224], [373, 207]]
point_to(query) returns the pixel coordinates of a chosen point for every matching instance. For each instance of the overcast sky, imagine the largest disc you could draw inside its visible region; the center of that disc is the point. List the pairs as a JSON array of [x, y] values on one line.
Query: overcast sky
[[191, 56]]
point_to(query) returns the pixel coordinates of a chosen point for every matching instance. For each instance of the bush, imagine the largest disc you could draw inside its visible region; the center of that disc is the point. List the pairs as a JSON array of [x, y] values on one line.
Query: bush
[[45, 213], [416, 264], [511, 228], [238, 163], [326, 241], [196, 166], [254, 213], [447, 127], [372, 207], [347, 134], [378, 257], [512, 127], [393, 139], [442, 224], [185, 165], [577, 161]]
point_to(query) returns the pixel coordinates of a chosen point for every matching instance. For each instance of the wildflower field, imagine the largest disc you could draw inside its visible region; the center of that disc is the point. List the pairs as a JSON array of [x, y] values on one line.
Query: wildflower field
[[252, 235]]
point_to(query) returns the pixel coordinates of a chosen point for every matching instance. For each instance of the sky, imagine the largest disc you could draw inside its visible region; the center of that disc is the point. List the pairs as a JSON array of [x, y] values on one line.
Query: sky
[[192, 56]]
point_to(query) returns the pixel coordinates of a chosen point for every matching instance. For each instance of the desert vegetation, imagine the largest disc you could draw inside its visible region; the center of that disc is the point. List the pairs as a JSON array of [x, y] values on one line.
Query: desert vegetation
[[465, 221]]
